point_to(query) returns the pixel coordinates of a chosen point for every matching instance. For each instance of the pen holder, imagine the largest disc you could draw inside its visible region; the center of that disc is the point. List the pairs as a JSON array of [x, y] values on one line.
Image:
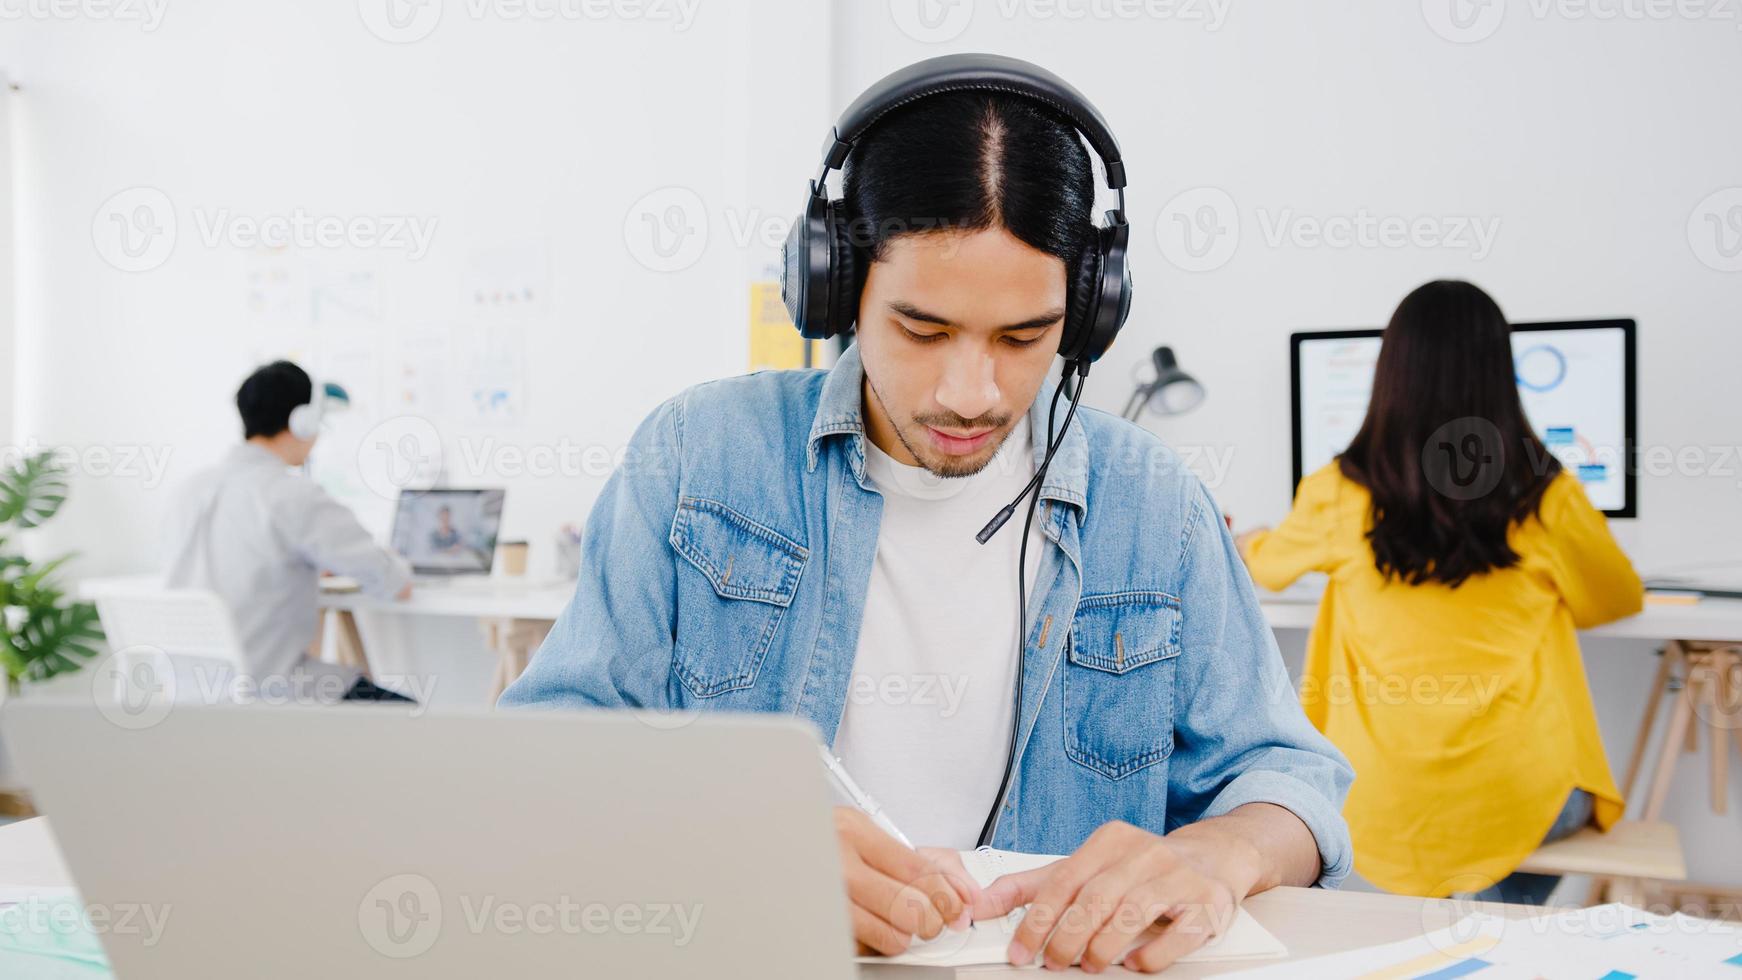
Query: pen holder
[[568, 557]]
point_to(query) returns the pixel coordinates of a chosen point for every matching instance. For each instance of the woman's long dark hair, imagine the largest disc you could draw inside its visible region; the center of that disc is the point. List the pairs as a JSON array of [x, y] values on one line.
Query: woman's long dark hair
[[1445, 451]]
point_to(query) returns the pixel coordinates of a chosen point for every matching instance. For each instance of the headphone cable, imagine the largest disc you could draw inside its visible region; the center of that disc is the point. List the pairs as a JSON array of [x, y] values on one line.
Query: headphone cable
[[1052, 445]]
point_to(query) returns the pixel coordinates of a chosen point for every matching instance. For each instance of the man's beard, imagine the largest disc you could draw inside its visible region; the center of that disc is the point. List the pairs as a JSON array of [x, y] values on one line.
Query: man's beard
[[947, 467]]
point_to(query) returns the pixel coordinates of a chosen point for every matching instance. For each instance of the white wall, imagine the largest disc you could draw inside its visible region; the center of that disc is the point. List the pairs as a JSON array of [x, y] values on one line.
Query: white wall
[[8, 285], [1589, 142], [522, 146], [536, 141]]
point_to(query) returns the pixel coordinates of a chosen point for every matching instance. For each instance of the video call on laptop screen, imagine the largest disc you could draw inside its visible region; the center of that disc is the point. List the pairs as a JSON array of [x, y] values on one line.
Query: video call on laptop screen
[[448, 532]]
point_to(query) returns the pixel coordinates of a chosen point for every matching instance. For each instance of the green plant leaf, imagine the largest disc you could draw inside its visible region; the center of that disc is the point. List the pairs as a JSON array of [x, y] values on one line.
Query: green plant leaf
[[33, 491], [52, 640], [41, 634]]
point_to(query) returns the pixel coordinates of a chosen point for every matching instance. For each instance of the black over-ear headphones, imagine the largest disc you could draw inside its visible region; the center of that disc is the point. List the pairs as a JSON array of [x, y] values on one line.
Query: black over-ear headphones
[[822, 274]]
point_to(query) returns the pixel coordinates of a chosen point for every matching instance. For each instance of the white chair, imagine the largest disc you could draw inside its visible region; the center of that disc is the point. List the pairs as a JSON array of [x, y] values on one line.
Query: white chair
[[176, 642]]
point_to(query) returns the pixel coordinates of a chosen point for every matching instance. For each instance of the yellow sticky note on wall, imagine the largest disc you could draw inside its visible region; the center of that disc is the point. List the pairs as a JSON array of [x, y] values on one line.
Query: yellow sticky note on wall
[[774, 341]]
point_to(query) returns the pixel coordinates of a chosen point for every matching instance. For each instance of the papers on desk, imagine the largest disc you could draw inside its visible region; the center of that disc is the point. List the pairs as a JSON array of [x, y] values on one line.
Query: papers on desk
[[47, 934], [1714, 586], [988, 942], [1607, 942]]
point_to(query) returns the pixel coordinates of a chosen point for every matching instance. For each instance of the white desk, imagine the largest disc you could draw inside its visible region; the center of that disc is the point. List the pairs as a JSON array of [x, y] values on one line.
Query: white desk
[[1310, 922], [492, 600], [1707, 621], [515, 617]]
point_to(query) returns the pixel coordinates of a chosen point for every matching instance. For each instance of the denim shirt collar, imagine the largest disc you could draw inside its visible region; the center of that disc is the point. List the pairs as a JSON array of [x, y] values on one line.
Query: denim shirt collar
[[840, 411]]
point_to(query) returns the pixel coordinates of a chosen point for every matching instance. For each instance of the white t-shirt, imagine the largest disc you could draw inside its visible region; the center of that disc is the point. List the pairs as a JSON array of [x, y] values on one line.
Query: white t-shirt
[[929, 710]]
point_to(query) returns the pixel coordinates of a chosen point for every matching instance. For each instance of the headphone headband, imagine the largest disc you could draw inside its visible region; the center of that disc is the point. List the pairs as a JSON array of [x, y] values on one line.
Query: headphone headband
[[974, 73], [822, 272]]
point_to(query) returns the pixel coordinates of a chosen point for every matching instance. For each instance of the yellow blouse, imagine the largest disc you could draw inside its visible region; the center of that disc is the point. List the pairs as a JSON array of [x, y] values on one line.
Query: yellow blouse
[[1465, 711]]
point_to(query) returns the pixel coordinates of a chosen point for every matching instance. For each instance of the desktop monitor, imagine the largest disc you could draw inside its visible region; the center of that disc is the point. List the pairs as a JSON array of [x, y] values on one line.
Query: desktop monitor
[[448, 532], [1576, 379]]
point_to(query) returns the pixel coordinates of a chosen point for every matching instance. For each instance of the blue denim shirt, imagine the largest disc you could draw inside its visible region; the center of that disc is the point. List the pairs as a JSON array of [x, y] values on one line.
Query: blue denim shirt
[[725, 567]]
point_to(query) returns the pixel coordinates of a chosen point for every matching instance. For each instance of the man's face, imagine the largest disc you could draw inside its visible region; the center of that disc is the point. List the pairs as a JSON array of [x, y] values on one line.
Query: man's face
[[956, 331]]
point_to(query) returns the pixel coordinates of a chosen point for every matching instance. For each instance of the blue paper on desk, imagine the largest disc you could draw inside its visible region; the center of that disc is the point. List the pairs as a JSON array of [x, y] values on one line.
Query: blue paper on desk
[[46, 935]]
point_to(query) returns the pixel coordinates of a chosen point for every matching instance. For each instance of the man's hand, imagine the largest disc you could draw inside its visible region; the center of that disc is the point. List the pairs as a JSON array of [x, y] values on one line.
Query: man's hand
[[897, 893], [1096, 903]]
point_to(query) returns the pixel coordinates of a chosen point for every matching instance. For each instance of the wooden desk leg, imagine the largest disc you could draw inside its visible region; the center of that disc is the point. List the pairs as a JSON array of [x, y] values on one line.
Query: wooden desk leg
[[514, 641], [319, 646], [1724, 721], [1714, 693], [1680, 720], [1659, 686], [493, 629], [1628, 891], [1732, 680], [349, 641]]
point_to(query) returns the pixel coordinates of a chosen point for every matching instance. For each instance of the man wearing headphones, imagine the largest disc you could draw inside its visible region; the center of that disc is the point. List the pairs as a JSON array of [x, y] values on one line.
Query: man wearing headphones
[[817, 543], [258, 532]]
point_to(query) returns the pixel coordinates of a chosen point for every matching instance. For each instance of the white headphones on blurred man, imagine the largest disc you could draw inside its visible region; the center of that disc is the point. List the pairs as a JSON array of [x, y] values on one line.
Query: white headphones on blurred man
[[305, 419]]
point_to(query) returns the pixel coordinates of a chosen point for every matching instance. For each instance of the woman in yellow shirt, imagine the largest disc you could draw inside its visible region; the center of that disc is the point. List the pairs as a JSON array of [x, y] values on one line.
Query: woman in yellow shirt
[[1444, 660]]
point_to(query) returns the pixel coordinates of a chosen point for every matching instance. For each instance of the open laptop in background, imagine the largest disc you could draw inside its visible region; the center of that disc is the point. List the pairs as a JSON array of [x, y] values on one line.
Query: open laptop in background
[[446, 534], [449, 537], [574, 844]]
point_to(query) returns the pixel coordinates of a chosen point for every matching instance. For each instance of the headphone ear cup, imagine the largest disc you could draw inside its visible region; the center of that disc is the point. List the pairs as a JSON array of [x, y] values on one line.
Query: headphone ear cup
[[1085, 287], [845, 273], [804, 270], [303, 422], [1102, 293]]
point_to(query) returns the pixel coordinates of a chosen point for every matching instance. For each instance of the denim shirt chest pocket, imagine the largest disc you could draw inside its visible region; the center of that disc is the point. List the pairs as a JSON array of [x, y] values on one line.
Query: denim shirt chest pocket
[[1118, 685], [739, 578]]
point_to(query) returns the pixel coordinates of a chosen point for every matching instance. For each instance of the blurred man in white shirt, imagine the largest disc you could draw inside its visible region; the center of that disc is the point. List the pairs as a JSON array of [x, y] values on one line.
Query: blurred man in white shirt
[[258, 532]]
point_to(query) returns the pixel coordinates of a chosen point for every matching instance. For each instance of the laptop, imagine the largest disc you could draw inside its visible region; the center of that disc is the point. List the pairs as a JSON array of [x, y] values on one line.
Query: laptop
[[366, 841], [445, 533]]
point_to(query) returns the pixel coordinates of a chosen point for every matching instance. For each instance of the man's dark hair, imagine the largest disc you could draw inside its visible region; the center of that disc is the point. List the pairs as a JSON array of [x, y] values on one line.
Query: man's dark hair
[[1446, 451], [266, 398], [969, 161]]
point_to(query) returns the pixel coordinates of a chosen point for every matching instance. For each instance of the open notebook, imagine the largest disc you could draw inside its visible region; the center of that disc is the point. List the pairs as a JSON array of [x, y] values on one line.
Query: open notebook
[[987, 942]]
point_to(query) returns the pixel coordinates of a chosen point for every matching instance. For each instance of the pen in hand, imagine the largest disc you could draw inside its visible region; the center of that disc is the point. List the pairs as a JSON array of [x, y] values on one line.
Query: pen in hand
[[860, 798]]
